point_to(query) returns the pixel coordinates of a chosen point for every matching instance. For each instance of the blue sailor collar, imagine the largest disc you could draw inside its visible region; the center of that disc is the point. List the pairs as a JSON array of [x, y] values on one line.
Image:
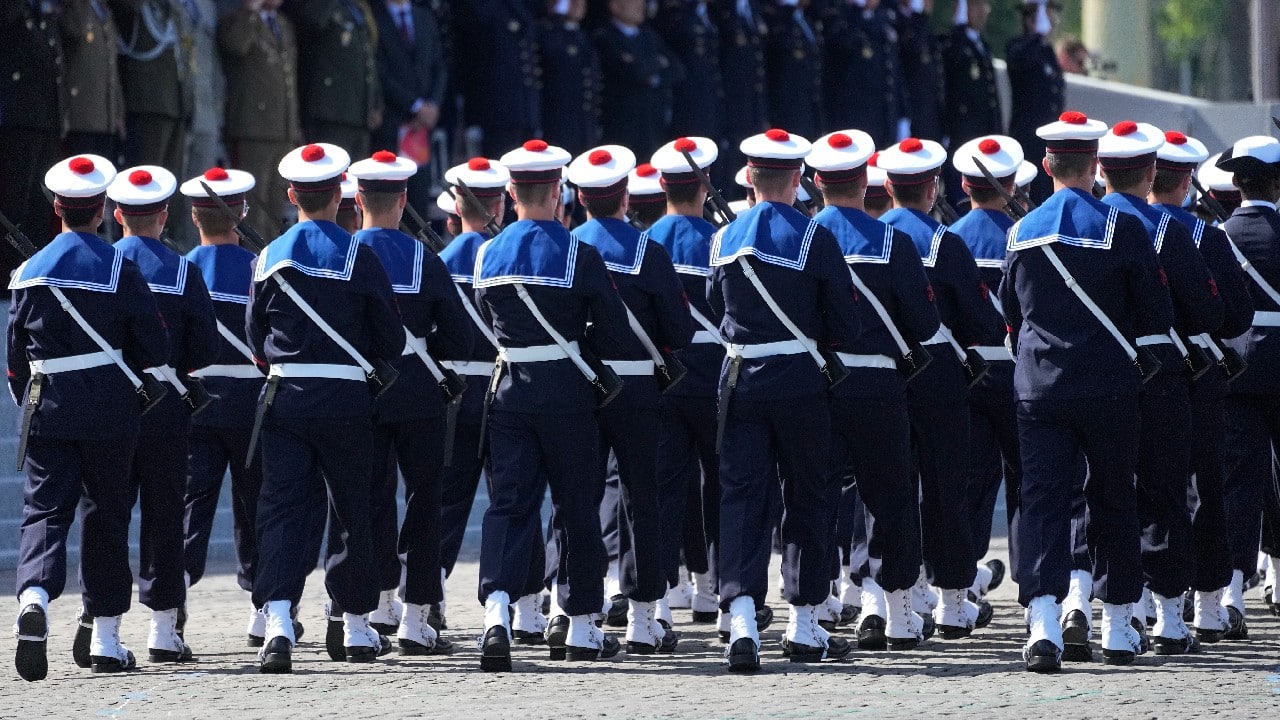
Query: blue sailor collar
[[1192, 223], [227, 271], [1154, 219], [1071, 217], [533, 252], [925, 232], [460, 256], [401, 257], [317, 248], [620, 245], [986, 233], [77, 261], [164, 270], [862, 238], [774, 233], [687, 240]]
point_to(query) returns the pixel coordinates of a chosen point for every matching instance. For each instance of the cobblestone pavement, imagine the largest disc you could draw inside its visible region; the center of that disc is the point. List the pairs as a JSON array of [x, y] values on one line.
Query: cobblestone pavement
[[980, 676]]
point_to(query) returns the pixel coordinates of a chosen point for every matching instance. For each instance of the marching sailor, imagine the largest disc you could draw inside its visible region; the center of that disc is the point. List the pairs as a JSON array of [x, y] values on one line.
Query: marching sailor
[[142, 197], [321, 313], [80, 414], [871, 442], [1078, 392], [780, 282], [411, 425]]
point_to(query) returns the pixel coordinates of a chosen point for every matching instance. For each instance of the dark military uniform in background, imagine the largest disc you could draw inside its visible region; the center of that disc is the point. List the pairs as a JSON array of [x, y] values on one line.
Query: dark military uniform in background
[[1037, 84], [639, 75], [494, 47], [95, 98], [918, 49], [971, 105], [261, 58], [31, 117], [862, 82], [793, 71], [571, 85], [742, 35], [339, 94], [157, 93], [698, 102]]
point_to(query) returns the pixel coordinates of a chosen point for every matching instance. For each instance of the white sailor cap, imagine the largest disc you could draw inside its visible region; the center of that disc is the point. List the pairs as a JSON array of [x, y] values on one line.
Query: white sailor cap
[[384, 171], [775, 148], [670, 160], [350, 186], [840, 156], [741, 178], [230, 185], [600, 171], [1027, 172], [876, 177], [142, 190], [482, 176], [80, 177], [912, 161], [645, 182], [1000, 154], [1253, 155], [1128, 145], [447, 203], [536, 162], [314, 167], [1180, 152], [1214, 178], [1073, 131]]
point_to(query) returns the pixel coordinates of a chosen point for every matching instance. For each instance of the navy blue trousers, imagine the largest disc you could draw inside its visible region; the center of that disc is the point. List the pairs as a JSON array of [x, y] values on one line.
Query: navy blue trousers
[[160, 480], [688, 485], [871, 448], [529, 452], [1253, 429], [459, 483], [851, 536], [1052, 435], [59, 471], [1164, 466], [993, 457], [794, 436], [1212, 556], [211, 452], [301, 457], [630, 435]]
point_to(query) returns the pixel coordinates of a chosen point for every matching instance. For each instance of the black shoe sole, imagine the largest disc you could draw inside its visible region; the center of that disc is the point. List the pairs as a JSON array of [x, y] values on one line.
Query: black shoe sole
[[1117, 657], [953, 632], [1175, 646], [276, 664], [495, 663], [335, 641], [801, 653], [745, 659], [528, 637], [361, 654], [80, 646], [1209, 637], [702, 617], [581, 654], [101, 664], [997, 574], [1041, 664], [639, 648], [412, 649], [31, 657], [170, 656], [900, 644], [873, 639], [255, 641]]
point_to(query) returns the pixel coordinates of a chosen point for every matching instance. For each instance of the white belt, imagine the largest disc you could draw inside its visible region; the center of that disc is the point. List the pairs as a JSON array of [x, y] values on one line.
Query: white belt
[[469, 367], [763, 350], [631, 367], [408, 349], [994, 353], [317, 370], [535, 353], [1266, 318], [705, 337], [242, 371], [867, 361], [1200, 340], [53, 366], [938, 338], [160, 372], [1153, 340]]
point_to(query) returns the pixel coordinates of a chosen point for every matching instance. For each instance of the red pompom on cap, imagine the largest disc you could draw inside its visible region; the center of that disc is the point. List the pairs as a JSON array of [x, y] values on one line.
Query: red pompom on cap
[[600, 157], [684, 144], [215, 174], [646, 170], [535, 145], [990, 146], [911, 145], [1125, 127], [384, 156], [1173, 137], [140, 177], [839, 140], [81, 165], [312, 153], [1073, 117], [478, 164], [777, 135], [874, 160]]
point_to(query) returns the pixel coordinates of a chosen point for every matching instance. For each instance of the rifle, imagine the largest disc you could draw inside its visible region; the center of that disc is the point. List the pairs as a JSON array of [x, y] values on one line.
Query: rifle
[[1209, 201], [948, 213], [491, 225], [426, 235], [812, 189], [1015, 210], [716, 198], [247, 234]]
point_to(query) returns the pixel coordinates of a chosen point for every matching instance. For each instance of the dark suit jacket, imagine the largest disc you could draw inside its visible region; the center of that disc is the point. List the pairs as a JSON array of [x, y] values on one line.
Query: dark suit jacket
[[639, 73], [94, 96], [861, 75], [793, 73], [1256, 231], [262, 96], [571, 86], [972, 107], [921, 73], [338, 83], [698, 101], [741, 70], [160, 86], [408, 73], [30, 52], [495, 51]]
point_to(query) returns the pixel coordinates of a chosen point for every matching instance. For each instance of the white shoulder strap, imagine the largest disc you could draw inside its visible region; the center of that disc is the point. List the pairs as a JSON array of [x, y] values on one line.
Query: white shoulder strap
[[475, 318], [97, 339], [235, 341], [809, 345], [881, 311], [419, 348], [556, 337], [638, 330], [1089, 303], [323, 324], [1253, 273]]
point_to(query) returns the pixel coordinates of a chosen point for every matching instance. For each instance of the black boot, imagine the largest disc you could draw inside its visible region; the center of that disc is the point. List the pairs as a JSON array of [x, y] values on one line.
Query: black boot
[[33, 633], [276, 656], [495, 650]]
